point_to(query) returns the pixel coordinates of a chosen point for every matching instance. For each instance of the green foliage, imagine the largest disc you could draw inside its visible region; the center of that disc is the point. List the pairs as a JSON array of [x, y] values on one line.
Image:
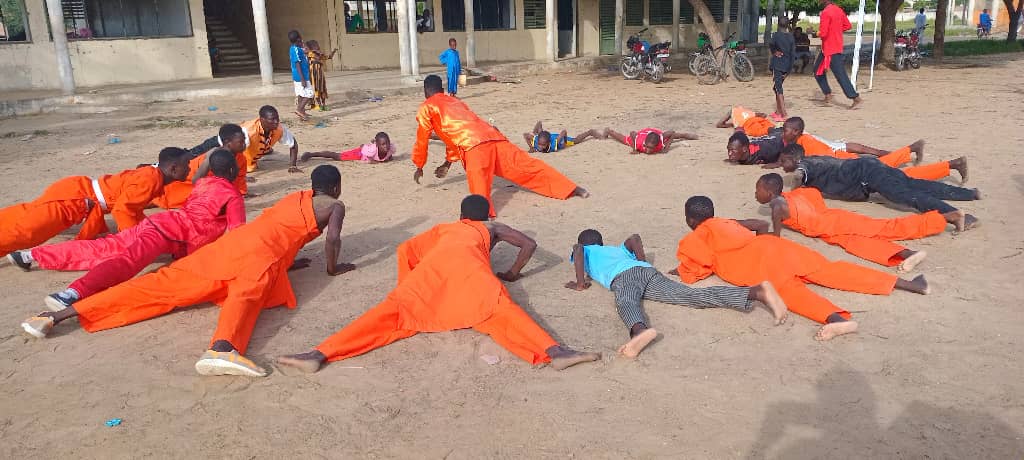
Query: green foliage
[[13, 17], [813, 7], [978, 47]]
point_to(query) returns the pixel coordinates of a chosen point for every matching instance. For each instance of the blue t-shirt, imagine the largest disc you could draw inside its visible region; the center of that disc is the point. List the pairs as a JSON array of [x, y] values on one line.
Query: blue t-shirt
[[604, 263], [300, 63]]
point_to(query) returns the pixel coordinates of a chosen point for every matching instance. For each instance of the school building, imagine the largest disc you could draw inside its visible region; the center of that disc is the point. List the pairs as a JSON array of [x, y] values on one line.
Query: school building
[[64, 44]]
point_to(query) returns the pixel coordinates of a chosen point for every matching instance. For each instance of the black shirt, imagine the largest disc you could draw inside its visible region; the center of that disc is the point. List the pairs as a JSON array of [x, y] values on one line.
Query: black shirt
[[765, 149]]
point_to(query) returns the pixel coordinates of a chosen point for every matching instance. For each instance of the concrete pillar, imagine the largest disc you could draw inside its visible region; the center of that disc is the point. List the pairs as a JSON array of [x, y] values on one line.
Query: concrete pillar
[[60, 47], [414, 45], [551, 27], [994, 12], [969, 17], [402, 15], [675, 24], [259, 19], [769, 13], [470, 39], [619, 9]]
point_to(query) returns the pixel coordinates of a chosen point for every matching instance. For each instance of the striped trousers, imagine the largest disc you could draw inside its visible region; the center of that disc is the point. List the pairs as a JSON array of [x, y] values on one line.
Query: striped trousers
[[632, 286]]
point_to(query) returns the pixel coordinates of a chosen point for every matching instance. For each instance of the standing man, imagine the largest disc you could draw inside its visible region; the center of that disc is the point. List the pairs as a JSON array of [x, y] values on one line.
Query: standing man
[[483, 150], [985, 21], [833, 24], [920, 21], [300, 74]]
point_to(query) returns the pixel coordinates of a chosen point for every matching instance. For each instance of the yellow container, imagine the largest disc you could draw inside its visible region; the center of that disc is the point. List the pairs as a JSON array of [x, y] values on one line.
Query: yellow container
[[462, 80]]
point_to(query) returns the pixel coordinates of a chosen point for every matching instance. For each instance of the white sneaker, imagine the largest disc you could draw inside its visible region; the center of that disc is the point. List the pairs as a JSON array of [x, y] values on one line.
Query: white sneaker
[[228, 363]]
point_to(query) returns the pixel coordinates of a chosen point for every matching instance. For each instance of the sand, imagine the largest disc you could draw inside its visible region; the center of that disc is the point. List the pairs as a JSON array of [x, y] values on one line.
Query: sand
[[934, 376]]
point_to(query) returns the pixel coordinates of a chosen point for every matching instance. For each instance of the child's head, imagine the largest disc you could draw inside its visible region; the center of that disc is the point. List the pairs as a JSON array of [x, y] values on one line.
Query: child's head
[[792, 129], [232, 137], [590, 237], [783, 24], [269, 118], [383, 142], [790, 157], [432, 85], [652, 141], [326, 179], [543, 141], [452, 43], [173, 163], [698, 209], [767, 188], [223, 164], [294, 37], [738, 148], [798, 30], [475, 207], [313, 45]]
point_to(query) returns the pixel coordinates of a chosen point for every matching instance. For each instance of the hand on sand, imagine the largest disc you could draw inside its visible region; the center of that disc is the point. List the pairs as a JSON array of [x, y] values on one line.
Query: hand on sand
[[299, 264], [442, 170], [251, 195], [578, 286], [294, 169], [509, 276], [250, 179], [417, 175], [341, 268], [674, 272]]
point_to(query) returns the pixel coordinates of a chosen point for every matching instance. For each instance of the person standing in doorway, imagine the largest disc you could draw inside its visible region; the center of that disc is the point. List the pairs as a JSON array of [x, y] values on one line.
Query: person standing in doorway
[[300, 74], [833, 24]]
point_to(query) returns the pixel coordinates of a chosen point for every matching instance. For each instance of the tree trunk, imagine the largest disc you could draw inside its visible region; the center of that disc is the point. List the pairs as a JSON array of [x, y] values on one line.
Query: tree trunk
[[710, 26], [939, 45], [888, 9], [1011, 34]]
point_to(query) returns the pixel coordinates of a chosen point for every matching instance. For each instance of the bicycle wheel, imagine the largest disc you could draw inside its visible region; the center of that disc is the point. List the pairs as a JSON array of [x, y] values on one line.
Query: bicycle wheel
[[708, 70], [630, 68], [693, 62], [742, 68]]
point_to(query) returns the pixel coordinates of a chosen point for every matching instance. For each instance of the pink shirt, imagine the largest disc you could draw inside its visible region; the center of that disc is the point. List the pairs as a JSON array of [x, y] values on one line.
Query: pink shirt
[[200, 221], [369, 153]]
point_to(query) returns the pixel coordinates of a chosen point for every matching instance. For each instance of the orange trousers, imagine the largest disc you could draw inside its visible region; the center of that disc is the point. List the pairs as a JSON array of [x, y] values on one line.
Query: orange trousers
[[169, 289], [901, 156], [26, 225], [879, 248], [836, 275], [509, 326], [504, 159]]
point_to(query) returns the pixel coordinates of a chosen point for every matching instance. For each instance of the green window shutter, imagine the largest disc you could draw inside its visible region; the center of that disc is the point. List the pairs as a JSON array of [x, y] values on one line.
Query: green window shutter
[[534, 14], [685, 12], [634, 14], [717, 8], [734, 11], [660, 12], [606, 22]]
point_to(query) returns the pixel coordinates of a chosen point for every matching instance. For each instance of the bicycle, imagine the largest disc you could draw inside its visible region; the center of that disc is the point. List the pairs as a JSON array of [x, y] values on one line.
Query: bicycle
[[703, 48], [711, 70]]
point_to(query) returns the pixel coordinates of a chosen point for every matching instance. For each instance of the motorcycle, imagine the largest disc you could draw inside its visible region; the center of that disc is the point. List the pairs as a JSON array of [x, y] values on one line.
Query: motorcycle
[[984, 32], [907, 53], [644, 59]]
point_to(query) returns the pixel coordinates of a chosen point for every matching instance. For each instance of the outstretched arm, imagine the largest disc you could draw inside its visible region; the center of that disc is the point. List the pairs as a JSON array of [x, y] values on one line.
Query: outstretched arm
[[419, 149], [538, 127], [636, 246], [332, 248], [518, 239], [203, 169], [724, 122], [293, 158], [757, 226], [579, 264], [780, 212], [529, 142]]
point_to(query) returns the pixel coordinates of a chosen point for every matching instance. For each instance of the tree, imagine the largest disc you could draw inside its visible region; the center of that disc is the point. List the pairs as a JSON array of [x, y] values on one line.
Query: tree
[[939, 47], [1014, 13], [708, 19], [887, 9]]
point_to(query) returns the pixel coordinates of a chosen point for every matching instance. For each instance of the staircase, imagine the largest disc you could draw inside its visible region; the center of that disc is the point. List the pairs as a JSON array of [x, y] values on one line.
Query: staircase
[[235, 59]]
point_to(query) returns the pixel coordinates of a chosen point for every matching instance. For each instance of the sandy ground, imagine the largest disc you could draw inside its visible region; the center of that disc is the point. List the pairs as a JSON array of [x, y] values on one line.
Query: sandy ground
[[934, 376]]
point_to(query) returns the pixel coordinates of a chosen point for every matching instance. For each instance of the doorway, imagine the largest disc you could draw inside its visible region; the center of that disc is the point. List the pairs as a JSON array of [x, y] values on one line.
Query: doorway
[[566, 28]]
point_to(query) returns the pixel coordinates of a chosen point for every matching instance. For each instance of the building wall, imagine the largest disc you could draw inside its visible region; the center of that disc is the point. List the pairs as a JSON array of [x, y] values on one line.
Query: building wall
[[32, 66], [309, 17]]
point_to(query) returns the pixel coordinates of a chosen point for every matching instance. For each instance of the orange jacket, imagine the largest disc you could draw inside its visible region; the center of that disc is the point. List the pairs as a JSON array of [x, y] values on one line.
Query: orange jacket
[[455, 124]]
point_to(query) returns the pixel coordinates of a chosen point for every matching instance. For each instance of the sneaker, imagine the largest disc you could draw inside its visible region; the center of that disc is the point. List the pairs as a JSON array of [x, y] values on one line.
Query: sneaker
[[58, 301], [777, 118], [18, 259], [38, 326], [228, 363]]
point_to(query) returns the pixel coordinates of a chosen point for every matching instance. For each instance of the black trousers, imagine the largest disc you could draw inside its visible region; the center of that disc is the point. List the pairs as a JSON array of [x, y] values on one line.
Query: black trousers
[[922, 195]]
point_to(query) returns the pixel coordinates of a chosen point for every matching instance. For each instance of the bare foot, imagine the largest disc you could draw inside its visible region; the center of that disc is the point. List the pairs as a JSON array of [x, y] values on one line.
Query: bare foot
[[909, 263], [960, 165], [977, 194], [562, 358], [958, 219], [970, 222], [771, 298], [581, 192], [640, 341], [918, 149], [308, 362], [827, 101], [833, 330], [856, 103]]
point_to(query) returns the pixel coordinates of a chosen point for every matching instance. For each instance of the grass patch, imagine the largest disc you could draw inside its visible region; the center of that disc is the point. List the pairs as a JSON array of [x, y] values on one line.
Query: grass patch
[[167, 123], [980, 47]]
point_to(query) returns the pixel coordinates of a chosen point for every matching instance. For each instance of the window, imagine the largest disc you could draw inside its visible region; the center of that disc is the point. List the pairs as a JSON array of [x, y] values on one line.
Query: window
[[659, 12], [717, 8], [487, 15], [425, 15], [634, 14], [734, 11], [534, 14], [371, 16], [126, 18], [686, 11], [13, 21]]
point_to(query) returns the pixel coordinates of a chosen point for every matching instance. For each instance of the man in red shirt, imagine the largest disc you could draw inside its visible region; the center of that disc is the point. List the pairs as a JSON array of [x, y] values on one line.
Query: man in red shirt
[[833, 24]]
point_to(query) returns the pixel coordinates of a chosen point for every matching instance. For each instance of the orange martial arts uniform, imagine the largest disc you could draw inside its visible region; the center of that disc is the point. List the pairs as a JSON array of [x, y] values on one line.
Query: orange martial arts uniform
[[484, 151], [735, 254], [80, 199], [445, 283], [863, 236], [244, 272], [751, 124], [901, 156], [176, 193], [258, 142]]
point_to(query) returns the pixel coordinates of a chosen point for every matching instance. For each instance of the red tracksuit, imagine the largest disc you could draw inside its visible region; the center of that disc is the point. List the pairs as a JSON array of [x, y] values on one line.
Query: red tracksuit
[[214, 206]]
